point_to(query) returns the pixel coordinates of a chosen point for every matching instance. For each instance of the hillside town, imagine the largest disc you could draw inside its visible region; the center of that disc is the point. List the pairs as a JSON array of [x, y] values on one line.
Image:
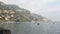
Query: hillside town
[[12, 13]]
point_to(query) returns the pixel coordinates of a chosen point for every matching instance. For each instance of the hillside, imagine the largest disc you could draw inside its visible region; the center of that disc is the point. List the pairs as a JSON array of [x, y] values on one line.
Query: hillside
[[17, 14]]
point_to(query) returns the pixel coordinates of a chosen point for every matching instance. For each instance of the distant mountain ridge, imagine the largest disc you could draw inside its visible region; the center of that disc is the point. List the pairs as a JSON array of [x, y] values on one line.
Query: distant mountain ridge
[[15, 7], [21, 15]]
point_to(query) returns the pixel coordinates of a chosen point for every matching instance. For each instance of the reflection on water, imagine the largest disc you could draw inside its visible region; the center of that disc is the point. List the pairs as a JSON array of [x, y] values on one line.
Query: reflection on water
[[33, 28]]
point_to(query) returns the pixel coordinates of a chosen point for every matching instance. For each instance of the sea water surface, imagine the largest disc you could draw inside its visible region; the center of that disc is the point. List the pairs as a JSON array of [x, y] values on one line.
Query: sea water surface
[[33, 28]]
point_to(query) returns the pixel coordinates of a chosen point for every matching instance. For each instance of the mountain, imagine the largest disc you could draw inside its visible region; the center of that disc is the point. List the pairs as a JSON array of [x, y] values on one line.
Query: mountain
[[17, 14], [15, 7]]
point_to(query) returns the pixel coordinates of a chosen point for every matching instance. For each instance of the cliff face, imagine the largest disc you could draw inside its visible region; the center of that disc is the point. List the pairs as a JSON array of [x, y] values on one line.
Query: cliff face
[[16, 14]]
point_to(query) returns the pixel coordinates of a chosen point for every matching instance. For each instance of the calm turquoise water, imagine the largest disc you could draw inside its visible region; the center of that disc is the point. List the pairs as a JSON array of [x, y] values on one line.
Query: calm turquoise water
[[33, 28]]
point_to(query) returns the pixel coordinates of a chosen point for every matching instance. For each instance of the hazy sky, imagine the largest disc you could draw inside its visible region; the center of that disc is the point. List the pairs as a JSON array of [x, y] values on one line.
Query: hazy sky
[[46, 8]]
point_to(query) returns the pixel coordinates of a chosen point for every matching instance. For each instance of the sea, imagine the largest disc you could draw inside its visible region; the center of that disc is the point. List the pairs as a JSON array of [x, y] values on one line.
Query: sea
[[32, 27]]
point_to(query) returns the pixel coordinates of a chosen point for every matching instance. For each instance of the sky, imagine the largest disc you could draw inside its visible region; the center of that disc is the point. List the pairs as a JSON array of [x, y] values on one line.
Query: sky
[[46, 8]]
